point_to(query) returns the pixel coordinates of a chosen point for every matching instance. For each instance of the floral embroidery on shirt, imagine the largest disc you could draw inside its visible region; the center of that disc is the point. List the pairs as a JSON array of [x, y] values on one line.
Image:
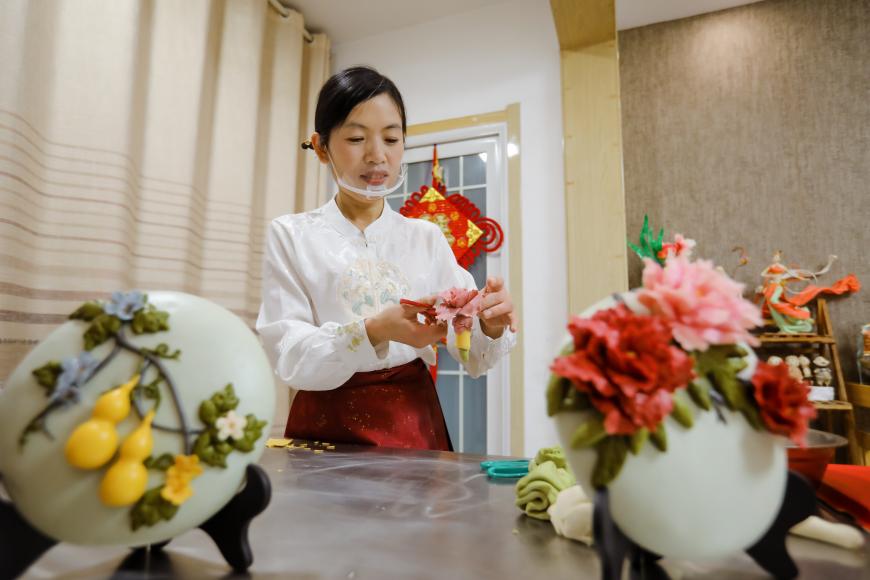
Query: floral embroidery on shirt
[[367, 286], [354, 333]]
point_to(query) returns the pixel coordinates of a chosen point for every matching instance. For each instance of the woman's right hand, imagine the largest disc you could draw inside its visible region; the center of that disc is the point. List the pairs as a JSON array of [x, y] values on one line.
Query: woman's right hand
[[399, 323]]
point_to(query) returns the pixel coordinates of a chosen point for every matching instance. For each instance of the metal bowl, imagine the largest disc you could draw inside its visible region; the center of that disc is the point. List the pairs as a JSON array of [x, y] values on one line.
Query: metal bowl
[[812, 459]]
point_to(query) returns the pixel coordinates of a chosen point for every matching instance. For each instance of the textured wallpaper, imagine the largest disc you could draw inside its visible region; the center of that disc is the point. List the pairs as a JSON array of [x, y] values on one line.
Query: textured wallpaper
[[751, 127]]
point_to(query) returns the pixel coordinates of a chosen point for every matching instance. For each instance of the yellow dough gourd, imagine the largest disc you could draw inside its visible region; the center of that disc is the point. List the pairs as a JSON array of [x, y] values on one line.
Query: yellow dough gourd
[[463, 344], [125, 482], [93, 443]]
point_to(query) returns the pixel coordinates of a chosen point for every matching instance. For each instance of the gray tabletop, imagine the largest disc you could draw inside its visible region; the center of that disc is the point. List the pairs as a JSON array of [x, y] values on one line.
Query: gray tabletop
[[364, 513]]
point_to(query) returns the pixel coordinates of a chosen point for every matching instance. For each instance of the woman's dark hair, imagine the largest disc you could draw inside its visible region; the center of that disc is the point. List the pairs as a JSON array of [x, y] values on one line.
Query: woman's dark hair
[[347, 89]]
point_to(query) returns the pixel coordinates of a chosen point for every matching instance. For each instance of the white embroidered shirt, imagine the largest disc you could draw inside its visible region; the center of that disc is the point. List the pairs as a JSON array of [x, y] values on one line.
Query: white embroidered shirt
[[322, 277]]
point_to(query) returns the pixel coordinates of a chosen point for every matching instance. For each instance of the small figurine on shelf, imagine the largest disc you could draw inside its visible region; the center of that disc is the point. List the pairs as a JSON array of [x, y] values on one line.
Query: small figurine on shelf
[[863, 352], [794, 369], [774, 360], [805, 366], [822, 372], [788, 308], [865, 335]]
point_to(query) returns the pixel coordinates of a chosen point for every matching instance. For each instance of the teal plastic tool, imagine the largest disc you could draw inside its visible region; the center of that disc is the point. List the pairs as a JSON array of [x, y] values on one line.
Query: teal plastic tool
[[506, 469]]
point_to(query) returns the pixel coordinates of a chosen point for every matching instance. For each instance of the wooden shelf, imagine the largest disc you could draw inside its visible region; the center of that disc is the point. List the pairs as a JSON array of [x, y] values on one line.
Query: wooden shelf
[[833, 405], [823, 342], [777, 338]]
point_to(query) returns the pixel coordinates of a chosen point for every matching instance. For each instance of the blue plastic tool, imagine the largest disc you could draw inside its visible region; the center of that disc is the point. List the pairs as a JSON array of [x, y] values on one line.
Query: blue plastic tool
[[506, 469]]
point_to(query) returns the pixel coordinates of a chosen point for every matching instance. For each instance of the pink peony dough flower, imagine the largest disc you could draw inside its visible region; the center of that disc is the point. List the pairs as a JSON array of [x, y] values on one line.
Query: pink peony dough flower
[[703, 305], [458, 305]]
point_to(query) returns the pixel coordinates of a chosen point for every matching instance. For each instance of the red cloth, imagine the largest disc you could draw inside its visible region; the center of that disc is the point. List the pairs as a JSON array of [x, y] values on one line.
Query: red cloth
[[395, 407], [849, 283], [847, 488]]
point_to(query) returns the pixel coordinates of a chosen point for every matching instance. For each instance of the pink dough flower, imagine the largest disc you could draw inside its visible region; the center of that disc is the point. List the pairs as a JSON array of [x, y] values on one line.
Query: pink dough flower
[[703, 305], [458, 305]]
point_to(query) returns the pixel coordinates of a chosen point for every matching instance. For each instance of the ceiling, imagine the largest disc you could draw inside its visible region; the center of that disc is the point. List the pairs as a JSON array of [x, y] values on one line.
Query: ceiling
[[634, 13], [350, 20]]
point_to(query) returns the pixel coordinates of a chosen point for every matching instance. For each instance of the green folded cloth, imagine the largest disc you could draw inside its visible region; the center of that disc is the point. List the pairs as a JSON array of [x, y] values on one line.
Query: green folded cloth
[[554, 454], [538, 490]]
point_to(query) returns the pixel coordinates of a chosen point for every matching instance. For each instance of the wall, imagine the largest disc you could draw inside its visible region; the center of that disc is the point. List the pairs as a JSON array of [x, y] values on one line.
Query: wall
[[477, 62], [750, 127]]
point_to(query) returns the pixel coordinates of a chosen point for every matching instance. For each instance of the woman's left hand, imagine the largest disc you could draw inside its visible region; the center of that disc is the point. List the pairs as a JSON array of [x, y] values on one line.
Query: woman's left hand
[[497, 309]]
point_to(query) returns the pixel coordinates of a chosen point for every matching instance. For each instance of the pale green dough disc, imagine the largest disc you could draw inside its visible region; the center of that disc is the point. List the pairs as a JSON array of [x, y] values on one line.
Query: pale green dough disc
[[62, 501]]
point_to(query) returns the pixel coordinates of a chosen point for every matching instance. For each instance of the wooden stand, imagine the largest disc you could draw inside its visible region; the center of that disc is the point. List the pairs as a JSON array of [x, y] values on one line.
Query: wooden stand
[[823, 342], [21, 544]]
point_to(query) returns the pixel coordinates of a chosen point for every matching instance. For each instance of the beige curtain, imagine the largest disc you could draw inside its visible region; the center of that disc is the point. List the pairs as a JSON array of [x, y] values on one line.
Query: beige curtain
[[147, 144]]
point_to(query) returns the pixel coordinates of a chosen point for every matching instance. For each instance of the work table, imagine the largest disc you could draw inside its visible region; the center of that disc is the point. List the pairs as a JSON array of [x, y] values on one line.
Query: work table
[[375, 513]]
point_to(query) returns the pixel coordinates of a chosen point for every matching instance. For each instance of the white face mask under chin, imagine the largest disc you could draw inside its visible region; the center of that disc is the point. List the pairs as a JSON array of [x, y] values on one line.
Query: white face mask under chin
[[371, 191]]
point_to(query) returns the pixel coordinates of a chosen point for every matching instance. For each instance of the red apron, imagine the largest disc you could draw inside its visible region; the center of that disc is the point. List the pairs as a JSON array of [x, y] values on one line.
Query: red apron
[[395, 407]]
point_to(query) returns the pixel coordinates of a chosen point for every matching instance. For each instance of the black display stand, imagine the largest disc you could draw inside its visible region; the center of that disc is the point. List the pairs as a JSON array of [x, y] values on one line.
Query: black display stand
[[22, 544], [769, 552]]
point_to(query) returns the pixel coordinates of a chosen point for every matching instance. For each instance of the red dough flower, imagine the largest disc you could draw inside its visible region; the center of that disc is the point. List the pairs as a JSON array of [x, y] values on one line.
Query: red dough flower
[[628, 367], [783, 401]]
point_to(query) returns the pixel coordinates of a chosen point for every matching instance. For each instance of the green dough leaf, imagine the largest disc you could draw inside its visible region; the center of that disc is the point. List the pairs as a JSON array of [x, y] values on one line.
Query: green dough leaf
[[218, 404], [557, 387], [638, 439], [46, 376], [151, 509], [36, 425], [149, 320], [253, 431], [659, 437], [211, 450], [588, 434], [570, 399], [612, 452], [208, 413], [148, 390], [681, 412], [561, 395], [720, 365], [575, 401], [162, 351], [161, 463], [207, 446], [752, 417], [647, 247], [699, 390], [87, 311], [101, 329], [152, 391]]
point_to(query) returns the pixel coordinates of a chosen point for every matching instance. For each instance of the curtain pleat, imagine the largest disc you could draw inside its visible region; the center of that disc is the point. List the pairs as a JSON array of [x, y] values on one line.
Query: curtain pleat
[[147, 144]]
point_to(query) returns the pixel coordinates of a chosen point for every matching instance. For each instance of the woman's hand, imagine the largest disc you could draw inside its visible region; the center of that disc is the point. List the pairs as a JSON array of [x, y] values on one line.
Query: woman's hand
[[399, 323], [497, 309]]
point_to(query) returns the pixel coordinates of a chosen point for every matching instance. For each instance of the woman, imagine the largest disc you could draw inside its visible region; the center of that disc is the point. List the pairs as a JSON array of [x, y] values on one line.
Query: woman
[[333, 277]]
